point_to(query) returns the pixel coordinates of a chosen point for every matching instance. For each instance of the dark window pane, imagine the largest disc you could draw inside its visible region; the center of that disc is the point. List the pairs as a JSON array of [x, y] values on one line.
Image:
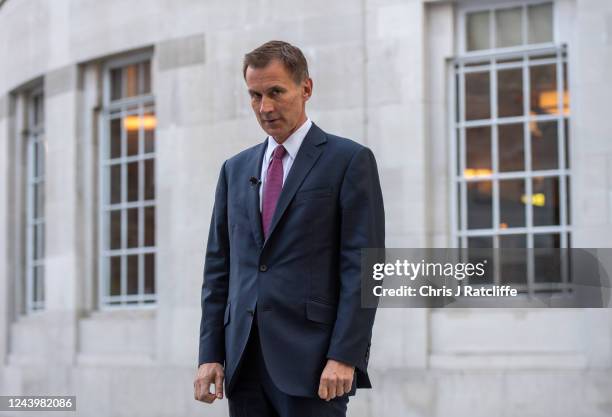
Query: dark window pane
[[132, 228], [34, 282], [543, 83], [115, 275], [459, 152], [115, 138], [457, 96], [116, 84], [513, 262], [477, 96], [149, 179], [38, 239], [35, 158], [511, 205], [132, 124], [115, 229], [36, 110], [40, 211], [545, 201], [132, 181], [510, 92], [35, 246], [566, 97], [39, 160], [478, 31], [459, 198], [131, 80], [41, 240], [511, 147], [477, 256], [568, 201], [38, 283], [478, 151], [480, 242], [115, 184], [544, 145], [149, 232], [479, 205], [149, 123], [132, 274], [146, 77], [149, 273], [547, 261], [38, 200], [567, 147], [35, 201]]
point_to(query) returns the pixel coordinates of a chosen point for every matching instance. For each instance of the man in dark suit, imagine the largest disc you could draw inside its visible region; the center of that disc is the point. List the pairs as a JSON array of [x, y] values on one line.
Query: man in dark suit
[[282, 321]]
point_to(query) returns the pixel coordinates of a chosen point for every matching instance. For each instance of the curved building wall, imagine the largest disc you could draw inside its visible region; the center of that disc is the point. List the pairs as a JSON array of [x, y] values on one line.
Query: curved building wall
[[381, 71]]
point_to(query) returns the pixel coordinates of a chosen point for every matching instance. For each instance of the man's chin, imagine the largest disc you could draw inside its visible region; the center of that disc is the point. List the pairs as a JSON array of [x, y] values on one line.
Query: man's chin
[[275, 133]]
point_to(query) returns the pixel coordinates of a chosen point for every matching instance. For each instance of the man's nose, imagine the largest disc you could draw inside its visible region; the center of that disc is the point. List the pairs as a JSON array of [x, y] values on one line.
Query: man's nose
[[265, 106]]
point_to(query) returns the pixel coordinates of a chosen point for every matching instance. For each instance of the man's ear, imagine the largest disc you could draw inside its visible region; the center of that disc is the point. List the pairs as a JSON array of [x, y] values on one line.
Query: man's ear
[[307, 88]]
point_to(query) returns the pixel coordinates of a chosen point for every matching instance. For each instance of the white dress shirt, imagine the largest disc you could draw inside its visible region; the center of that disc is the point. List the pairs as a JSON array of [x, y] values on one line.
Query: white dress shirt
[[292, 146]]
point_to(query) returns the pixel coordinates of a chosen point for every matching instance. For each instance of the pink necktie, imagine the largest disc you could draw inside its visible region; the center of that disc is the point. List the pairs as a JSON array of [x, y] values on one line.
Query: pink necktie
[[272, 188]]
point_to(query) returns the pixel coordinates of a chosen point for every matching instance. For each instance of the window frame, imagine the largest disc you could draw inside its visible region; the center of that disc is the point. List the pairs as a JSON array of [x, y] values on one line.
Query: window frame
[[112, 109], [35, 136], [458, 124]]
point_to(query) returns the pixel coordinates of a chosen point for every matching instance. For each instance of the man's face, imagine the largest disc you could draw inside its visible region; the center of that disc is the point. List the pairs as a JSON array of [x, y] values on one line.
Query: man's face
[[278, 102]]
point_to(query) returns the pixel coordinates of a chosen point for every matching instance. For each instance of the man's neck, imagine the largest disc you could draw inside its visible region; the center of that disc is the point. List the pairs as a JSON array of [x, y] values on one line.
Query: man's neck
[[295, 128]]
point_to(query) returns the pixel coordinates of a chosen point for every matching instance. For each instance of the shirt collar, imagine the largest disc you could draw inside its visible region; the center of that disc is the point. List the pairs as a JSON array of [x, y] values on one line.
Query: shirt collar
[[293, 142]]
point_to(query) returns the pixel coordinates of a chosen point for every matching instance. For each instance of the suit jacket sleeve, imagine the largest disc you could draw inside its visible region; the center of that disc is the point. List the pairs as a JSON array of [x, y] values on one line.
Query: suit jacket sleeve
[[362, 226], [215, 280]]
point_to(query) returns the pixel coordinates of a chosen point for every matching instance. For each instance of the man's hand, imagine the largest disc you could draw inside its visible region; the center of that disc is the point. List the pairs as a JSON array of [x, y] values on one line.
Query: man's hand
[[208, 373], [336, 380]]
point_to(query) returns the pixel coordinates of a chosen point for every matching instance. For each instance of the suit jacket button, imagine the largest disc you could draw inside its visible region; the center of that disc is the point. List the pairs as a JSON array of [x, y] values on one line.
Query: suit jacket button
[[263, 268]]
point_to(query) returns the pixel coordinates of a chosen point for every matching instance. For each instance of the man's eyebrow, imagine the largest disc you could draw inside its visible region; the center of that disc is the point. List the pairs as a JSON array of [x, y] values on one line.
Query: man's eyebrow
[[276, 87]]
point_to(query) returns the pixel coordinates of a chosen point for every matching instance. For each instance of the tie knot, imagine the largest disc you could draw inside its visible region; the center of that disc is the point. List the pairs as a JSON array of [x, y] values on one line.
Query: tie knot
[[279, 152]]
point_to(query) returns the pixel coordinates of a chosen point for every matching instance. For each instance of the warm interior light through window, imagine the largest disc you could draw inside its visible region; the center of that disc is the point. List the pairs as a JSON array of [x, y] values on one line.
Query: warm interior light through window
[[148, 122], [538, 199], [549, 103], [477, 172]]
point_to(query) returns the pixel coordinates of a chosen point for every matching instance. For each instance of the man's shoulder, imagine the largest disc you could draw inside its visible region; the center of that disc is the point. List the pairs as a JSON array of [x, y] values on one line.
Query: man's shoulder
[[343, 145]]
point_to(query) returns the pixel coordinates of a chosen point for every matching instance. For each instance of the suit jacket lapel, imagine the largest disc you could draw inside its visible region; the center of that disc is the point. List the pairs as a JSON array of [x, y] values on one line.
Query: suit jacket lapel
[[254, 170], [306, 157]]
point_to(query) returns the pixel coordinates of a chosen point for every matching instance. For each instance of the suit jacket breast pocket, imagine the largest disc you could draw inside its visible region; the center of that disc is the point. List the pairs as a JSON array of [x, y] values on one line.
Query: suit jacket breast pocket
[[313, 193]]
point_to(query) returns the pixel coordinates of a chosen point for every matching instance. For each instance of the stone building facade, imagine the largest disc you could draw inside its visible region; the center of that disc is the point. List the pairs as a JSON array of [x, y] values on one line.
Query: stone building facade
[[490, 126]]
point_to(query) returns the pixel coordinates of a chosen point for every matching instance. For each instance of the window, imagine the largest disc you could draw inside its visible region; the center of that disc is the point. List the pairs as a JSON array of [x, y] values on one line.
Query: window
[[35, 201], [505, 27], [127, 212], [511, 138]]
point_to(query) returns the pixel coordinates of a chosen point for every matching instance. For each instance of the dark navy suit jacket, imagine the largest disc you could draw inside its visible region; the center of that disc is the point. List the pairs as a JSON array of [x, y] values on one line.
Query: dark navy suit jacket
[[305, 278]]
